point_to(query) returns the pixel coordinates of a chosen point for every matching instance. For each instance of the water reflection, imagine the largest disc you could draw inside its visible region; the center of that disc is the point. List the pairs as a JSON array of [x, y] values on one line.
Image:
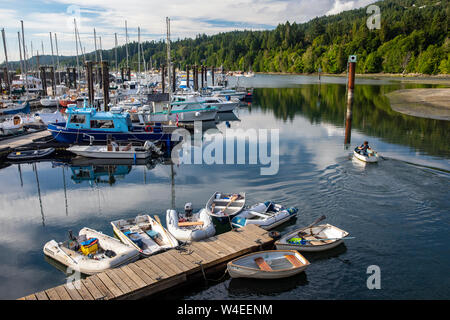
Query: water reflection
[[372, 114]]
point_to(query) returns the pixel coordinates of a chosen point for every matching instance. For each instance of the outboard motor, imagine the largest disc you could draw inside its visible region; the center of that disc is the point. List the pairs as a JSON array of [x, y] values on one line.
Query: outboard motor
[[188, 209]]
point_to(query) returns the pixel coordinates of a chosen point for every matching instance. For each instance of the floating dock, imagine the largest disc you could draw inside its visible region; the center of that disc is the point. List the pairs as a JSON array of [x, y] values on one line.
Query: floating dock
[[9, 144], [164, 271]]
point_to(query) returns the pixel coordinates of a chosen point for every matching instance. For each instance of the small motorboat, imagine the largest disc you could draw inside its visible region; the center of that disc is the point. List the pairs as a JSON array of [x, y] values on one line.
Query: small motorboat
[[312, 239], [371, 156], [30, 154], [91, 252], [223, 206], [195, 227], [115, 152], [145, 234], [49, 102], [267, 215], [270, 264]]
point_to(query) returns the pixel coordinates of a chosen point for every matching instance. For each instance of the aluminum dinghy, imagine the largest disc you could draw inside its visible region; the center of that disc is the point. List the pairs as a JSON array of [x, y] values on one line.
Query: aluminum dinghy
[[145, 234], [270, 264]]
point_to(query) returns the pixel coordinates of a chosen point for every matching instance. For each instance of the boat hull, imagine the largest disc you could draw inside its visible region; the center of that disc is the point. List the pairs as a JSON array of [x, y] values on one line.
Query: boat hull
[[372, 159], [71, 136]]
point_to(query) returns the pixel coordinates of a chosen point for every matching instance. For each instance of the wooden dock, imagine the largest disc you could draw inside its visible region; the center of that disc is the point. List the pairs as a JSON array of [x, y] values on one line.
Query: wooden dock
[[8, 145], [163, 271]]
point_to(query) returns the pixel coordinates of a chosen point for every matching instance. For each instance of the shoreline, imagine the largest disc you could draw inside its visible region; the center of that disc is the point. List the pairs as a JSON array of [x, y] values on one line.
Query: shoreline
[[430, 103], [440, 79]]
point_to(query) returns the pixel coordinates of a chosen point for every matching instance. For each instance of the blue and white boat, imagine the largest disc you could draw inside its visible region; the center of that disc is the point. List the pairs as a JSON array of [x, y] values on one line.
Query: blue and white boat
[[87, 124], [14, 108]]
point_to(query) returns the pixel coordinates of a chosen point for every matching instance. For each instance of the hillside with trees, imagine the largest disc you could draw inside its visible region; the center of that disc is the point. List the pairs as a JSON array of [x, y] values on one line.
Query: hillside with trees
[[413, 38]]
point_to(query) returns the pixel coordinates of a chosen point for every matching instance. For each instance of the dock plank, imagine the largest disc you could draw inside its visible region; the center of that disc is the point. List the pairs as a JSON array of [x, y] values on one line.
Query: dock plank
[[41, 295], [168, 269], [52, 294], [30, 297], [115, 290], [158, 271], [141, 283], [144, 276], [96, 293], [130, 282], [83, 291], [113, 275], [100, 286]]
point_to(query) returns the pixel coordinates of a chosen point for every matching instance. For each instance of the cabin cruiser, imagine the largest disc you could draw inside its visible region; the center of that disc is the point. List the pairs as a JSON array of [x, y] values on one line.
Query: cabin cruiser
[[87, 124]]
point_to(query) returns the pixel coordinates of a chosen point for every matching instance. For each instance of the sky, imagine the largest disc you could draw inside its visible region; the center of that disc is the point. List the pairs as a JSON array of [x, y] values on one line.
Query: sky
[[188, 18]]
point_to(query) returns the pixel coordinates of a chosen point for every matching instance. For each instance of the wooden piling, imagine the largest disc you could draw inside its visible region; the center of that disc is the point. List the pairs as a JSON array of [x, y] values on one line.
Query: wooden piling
[[163, 76], [187, 76], [350, 88], [105, 80], [90, 82]]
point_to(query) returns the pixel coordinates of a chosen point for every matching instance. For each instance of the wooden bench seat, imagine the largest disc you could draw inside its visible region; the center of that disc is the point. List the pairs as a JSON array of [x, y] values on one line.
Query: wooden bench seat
[[190, 223], [262, 264], [293, 260]]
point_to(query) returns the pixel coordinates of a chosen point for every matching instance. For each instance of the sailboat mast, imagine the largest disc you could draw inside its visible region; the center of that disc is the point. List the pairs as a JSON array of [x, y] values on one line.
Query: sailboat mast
[[76, 45], [115, 51], [169, 66], [20, 52], [57, 59], [6, 56], [126, 41], [53, 63], [139, 51], [24, 56], [95, 45]]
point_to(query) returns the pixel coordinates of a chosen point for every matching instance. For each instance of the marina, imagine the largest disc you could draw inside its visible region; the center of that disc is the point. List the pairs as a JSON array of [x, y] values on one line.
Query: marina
[[303, 161]]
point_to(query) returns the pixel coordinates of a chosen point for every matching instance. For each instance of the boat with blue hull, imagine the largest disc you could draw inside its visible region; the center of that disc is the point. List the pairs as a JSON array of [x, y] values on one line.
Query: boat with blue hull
[[14, 108], [87, 124]]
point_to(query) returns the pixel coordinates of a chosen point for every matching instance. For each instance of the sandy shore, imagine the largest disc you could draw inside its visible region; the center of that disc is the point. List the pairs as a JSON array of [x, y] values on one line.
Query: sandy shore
[[432, 103]]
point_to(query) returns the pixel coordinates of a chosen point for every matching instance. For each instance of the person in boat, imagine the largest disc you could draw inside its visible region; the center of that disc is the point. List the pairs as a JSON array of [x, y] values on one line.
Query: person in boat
[[364, 148], [115, 146], [188, 209]]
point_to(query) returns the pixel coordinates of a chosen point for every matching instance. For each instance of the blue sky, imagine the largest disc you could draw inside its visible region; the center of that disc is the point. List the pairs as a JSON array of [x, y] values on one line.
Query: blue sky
[[188, 18]]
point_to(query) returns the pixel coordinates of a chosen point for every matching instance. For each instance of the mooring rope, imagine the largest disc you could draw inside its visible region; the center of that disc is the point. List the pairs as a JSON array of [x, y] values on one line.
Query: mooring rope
[[204, 274]]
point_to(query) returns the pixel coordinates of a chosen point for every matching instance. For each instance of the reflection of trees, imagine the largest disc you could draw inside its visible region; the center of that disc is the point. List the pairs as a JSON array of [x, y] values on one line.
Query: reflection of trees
[[372, 113]]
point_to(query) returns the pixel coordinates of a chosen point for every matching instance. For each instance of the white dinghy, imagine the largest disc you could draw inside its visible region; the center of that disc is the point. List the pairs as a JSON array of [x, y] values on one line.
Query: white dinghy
[[190, 227], [91, 252], [267, 215], [270, 264], [145, 234], [224, 206], [312, 239], [112, 151], [371, 156]]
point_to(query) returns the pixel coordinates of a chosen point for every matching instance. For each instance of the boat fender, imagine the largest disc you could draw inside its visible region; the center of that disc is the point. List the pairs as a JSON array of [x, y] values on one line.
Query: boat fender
[[274, 235], [148, 128]]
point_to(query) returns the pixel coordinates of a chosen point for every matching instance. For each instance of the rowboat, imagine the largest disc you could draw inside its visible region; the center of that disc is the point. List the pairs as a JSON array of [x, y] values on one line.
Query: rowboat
[[267, 215], [30, 154], [195, 227], [109, 152], [49, 102], [12, 126], [145, 234], [371, 157], [91, 252], [270, 264], [224, 206], [312, 239]]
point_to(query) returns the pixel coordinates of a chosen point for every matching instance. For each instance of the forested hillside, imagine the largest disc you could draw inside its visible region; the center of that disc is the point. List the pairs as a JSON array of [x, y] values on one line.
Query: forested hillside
[[413, 38]]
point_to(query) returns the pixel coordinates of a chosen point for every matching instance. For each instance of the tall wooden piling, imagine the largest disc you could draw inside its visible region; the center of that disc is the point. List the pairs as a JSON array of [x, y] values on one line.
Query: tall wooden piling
[[195, 78], [212, 75], [187, 76], [350, 88], [105, 80], [43, 80], [202, 70], [174, 79], [206, 75], [163, 75], [90, 82]]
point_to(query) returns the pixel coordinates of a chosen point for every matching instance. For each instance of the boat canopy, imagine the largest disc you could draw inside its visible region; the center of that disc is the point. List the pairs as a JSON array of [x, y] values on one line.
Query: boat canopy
[[90, 118]]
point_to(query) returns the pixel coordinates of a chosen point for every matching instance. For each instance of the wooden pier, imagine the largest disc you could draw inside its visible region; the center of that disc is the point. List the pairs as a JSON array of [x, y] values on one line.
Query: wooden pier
[[164, 271], [9, 144]]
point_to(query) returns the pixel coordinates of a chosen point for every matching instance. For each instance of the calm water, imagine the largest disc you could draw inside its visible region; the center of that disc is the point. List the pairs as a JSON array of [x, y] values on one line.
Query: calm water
[[398, 209]]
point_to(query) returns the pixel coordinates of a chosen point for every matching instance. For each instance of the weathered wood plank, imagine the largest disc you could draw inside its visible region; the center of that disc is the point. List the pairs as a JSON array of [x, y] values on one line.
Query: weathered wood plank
[[149, 271], [63, 294], [148, 280], [30, 297], [115, 290], [181, 266], [141, 283], [95, 292], [52, 294], [82, 290], [168, 269], [125, 278], [41, 295], [207, 257], [113, 275], [158, 271], [100, 286]]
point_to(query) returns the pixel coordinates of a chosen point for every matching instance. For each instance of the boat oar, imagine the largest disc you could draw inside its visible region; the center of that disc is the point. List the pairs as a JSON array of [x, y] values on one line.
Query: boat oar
[[325, 239], [159, 222], [232, 199], [312, 224]]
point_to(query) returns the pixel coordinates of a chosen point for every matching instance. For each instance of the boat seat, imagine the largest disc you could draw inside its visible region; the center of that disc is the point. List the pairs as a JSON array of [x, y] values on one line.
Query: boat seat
[[259, 214], [190, 223], [262, 264], [293, 260], [314, 243], [127, 147]]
